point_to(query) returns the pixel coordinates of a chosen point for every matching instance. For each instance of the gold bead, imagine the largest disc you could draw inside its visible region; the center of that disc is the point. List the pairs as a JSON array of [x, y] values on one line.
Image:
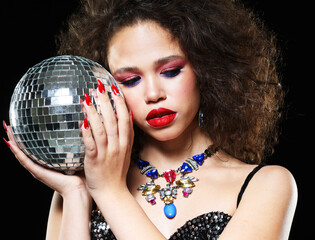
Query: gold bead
[[168, 199]]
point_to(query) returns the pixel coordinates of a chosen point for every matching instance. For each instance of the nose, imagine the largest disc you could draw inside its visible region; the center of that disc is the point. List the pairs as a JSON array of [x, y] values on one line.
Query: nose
[[154, 90]]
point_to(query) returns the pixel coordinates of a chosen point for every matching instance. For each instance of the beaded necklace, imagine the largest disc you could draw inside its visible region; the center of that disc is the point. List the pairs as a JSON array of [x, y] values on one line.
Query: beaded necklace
[[169, 192]]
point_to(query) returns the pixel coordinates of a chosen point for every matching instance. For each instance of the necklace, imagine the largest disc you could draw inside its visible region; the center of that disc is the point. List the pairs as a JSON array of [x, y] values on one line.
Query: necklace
[[169, 192]]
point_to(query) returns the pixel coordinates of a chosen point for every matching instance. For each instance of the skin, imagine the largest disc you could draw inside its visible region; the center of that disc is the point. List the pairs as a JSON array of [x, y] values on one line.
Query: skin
[[112, 180]]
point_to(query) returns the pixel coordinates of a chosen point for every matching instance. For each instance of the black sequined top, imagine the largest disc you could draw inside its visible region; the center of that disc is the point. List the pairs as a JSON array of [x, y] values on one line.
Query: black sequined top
[[206, 226]]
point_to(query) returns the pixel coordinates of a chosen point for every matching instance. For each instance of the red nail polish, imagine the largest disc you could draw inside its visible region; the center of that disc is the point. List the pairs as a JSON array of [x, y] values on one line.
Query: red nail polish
[[7, 143], [5, 126], [87, 99], [115, 90], [131, 114], [86, 123], [101, 88]]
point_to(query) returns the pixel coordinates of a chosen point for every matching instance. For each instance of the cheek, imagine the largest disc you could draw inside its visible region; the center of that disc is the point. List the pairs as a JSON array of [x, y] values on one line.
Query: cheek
[[188, 91], [132, 101]]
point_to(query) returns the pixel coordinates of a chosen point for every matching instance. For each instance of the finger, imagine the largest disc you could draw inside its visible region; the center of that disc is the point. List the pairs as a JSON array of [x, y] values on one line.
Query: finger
[[26, 162], [37, 171], [20, 155], [53, 179], [89, 142], [10, 133], [109, 118], [4, 126], [125, 126], [96, 124]]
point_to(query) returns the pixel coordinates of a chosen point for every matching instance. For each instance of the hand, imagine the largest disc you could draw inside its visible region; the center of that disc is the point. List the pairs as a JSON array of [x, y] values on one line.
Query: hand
[[108, 150], [59, 182]]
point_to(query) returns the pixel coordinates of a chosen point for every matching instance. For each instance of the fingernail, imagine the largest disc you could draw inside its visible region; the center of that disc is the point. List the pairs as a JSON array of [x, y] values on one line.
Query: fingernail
[[87, 99], [4, 125], [115, 90], [86, 123], [101, 88], [131, 115], [7, 143]]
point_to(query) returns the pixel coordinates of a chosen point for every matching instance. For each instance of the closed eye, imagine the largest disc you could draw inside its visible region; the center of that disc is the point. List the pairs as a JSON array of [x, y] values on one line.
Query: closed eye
[[131, 82], [172, 72]]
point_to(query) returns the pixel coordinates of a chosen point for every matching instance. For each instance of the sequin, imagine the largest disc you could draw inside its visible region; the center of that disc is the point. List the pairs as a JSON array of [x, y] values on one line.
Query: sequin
[[100, 230], [206, 226]]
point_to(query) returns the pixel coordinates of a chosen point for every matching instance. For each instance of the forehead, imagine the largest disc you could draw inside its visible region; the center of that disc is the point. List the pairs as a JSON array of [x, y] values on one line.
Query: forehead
[[144, 42]]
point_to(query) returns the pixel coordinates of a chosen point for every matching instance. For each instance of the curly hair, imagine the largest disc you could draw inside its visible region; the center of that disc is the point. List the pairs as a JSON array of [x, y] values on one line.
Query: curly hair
[[233, 57]]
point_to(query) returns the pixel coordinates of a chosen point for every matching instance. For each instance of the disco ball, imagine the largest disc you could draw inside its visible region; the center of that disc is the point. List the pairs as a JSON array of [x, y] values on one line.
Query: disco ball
[[46, 111]]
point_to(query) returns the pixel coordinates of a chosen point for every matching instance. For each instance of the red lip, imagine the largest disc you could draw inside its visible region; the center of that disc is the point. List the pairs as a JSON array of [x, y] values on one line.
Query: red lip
[[160, 117]]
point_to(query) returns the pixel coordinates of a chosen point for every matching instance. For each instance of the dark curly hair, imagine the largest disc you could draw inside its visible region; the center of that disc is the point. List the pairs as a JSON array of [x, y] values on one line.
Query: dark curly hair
[[232, 54]]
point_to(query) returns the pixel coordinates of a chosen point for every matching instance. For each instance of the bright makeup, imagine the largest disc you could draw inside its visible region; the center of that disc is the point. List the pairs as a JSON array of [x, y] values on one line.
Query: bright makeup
[[160, 117]]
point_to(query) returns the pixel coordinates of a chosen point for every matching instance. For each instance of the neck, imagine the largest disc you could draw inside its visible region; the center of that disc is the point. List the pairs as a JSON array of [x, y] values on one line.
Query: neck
[[169, 154]]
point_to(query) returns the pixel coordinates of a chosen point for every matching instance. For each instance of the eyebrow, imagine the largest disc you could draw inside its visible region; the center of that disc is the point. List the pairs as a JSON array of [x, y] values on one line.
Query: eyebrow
[[158, 62]]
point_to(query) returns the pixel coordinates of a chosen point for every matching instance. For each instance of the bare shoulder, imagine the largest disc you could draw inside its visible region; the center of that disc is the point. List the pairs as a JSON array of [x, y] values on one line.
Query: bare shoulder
[[269, 202], [276, 180], [272, 186]]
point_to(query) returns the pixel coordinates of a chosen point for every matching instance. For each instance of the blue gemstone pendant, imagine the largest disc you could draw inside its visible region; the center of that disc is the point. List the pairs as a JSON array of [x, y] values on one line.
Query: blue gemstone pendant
[[170, 210], [199, 158], [142, 164], [185, 168], [153, 173]]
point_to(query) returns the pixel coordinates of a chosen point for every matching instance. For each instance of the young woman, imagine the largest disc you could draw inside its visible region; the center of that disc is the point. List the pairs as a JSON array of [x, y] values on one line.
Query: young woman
[[182, 160]]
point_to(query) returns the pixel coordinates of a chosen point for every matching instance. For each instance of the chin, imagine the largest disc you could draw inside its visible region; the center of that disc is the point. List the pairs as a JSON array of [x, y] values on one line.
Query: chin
[[165, 134], [163, 138], [171, 132]]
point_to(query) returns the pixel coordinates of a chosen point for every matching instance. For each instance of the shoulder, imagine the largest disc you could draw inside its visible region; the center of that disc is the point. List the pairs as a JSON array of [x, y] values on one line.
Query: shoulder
[[269, 181], [268, 202], [274, 188], [275, 179]]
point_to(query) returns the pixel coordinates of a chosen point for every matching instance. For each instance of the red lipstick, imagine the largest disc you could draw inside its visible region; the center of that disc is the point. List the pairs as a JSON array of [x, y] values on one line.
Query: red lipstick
[[160, 117]]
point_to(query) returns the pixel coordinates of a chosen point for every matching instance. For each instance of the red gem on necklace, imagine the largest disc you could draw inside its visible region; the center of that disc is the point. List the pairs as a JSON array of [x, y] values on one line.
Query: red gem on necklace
[[170, 176]]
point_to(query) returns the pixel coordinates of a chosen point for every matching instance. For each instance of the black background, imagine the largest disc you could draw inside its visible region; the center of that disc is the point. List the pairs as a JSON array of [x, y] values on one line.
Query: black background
[[28, 30]]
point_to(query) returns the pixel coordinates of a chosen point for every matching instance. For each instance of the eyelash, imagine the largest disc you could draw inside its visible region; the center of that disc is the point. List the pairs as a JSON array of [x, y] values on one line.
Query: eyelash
[[132, 82], [172, 72], [168, 74]]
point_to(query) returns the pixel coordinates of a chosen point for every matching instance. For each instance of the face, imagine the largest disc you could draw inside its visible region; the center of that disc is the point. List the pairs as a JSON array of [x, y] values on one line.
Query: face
[[157, 80]]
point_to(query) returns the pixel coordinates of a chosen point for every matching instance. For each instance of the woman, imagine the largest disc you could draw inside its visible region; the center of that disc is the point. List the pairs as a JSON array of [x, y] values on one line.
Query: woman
[[203, 102]]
